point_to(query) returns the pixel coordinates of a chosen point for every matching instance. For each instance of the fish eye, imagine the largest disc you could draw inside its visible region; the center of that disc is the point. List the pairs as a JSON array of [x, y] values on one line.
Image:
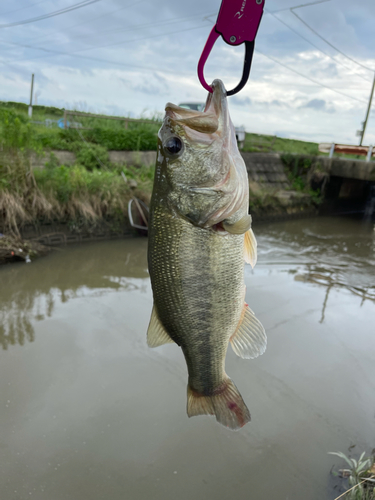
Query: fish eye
[[173, 145]]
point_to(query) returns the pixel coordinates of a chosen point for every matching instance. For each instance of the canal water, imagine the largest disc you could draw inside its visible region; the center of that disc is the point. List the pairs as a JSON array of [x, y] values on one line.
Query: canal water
[[88, 411]]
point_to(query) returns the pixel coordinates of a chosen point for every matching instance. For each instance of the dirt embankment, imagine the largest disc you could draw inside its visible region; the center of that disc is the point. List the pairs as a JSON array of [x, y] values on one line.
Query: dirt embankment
[[13, 249]]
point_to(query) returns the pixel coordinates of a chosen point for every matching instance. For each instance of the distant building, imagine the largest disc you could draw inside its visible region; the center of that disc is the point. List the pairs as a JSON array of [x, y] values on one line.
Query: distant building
[[195, 106]]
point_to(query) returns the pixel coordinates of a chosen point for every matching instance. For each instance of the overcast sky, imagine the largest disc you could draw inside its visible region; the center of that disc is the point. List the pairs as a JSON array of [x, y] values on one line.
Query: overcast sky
[[130, 57]]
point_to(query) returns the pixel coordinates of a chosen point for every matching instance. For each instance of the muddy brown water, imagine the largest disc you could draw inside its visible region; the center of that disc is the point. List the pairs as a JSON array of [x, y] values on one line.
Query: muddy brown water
[[88, 411]]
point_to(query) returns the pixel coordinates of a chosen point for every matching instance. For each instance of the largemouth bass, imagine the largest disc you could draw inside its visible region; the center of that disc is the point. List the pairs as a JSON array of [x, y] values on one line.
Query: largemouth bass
[[199, 238]]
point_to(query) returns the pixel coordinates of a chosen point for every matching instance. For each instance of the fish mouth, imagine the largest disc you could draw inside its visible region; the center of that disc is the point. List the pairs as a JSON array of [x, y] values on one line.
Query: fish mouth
[[217, 100], [214, 118]]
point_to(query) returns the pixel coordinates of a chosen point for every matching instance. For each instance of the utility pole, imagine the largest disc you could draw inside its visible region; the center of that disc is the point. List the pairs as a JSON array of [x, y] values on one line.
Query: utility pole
[[31, 97], [361, 133]]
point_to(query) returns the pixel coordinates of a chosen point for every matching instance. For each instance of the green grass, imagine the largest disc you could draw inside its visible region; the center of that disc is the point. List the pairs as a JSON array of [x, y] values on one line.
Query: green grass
[[273, 144], [93, 188], [110, 134], [89, 191], [258, 143], [139, 136]]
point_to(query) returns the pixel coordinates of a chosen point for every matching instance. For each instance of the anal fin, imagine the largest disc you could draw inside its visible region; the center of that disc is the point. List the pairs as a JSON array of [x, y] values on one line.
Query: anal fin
[[156, 333], [249, 340], [250, 251]]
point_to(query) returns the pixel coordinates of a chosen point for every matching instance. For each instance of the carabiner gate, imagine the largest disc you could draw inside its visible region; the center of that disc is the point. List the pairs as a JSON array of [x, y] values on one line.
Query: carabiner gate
[[238, 22]]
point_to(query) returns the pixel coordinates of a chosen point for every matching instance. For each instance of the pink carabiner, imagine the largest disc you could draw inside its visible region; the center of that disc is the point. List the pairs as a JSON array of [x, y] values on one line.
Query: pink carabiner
[[238, 22], [212, 37]]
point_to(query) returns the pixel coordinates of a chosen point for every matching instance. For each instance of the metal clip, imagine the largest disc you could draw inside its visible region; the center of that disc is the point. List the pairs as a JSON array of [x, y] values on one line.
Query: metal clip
[[238, 22]]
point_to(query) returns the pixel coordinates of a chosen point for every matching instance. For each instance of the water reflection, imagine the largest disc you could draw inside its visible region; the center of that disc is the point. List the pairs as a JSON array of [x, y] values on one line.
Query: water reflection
[[88, 392], [333, 253], [29, 291], [336, 253], [333, 278]]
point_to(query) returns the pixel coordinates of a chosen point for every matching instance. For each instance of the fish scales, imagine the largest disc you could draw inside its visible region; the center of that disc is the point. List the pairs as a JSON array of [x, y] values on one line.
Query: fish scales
[[199, 237], [199, 296]]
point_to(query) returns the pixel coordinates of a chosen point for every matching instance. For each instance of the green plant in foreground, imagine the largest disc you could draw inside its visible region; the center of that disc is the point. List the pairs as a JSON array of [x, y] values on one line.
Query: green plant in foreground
[[360, 478]]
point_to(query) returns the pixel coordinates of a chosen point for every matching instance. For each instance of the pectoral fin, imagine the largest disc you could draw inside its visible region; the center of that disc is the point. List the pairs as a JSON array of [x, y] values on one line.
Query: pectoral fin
[[249, 340], [156, 333], [250, 252], [239, 227]]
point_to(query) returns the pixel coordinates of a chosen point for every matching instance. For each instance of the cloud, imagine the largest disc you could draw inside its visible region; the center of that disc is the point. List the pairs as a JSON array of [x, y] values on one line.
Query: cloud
[[240, 101], [318, 105], [121, 56]]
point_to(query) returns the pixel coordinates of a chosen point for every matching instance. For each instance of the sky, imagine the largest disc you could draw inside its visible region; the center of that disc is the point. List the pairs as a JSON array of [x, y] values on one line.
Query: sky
[[311, 74]]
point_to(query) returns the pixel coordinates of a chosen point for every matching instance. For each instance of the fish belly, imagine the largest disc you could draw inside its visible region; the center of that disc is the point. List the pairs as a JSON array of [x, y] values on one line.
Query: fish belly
[[198, 287]]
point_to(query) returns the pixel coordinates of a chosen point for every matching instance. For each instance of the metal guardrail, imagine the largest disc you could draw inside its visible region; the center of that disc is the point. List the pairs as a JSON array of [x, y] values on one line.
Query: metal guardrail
[[331, 148]]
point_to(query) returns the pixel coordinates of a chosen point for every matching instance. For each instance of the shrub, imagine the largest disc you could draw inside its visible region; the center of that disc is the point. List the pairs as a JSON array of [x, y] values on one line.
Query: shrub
[[91, 155], [141, 138]]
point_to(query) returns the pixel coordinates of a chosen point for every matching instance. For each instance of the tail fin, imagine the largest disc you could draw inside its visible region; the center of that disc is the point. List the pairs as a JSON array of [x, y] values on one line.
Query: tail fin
[[227, 405]]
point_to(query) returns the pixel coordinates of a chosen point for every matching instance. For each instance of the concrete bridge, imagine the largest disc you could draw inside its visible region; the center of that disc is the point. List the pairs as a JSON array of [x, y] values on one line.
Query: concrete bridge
[[347, 185], [349, 169], [271, 163]]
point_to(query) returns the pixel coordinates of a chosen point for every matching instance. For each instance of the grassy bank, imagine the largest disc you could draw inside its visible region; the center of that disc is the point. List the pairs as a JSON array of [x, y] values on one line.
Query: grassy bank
[[81, 194], [257, 143], [93, 189], [99, 132], [139, 136], [111, 135]]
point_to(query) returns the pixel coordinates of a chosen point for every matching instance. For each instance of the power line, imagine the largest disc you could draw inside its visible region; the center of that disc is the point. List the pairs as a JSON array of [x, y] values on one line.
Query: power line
[[157, 69], [329, 43], [138, 27], [147, 68], [22, 8], [308, 78], [51, 14], [313, 44], [299, 6], [72, 54], [91, 19], [281, 10], [98, 47], [139, 39], [97, 59]]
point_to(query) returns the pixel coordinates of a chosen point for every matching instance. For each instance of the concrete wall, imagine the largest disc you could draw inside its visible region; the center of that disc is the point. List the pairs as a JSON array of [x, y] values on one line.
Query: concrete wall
[[343, 167], [352, 169], [263, 168], [57, 233], [267, 170], [123, 157], [147, 158]]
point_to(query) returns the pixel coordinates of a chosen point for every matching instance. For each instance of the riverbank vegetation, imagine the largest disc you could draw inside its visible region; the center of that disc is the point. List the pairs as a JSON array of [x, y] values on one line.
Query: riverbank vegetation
[[258, 143], [81, 194], [93, 188], [139, 136], [360, 476], [305, 175]]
